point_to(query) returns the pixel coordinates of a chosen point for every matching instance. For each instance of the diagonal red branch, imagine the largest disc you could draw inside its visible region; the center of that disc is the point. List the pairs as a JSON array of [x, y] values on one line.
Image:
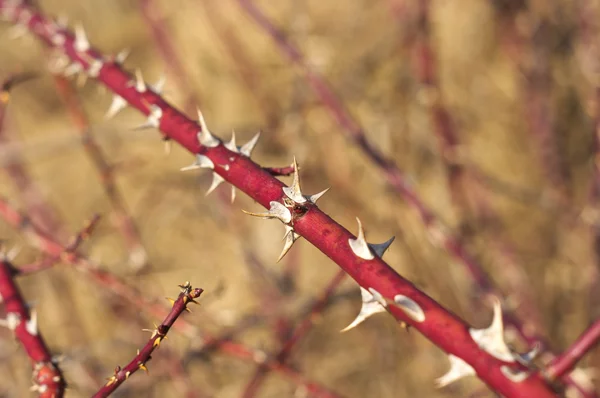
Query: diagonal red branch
[[566, 362], [445, 329], [47, 377], [187, 295]]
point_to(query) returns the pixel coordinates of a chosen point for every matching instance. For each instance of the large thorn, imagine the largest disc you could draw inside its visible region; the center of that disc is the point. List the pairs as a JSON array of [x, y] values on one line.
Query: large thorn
[[313, 198], [159, 86], [122, 55], [118, 103], [153, 119], [491, 339], [231, 144], [140, 85], [216, 181], [248, 147], [458, 370], [204, 136], [359, 245], [289, 238], [293, 191], [381, 248], [32, 325], [202, 162], [81, 43], [372, 303], [410, 307], [276, 210]]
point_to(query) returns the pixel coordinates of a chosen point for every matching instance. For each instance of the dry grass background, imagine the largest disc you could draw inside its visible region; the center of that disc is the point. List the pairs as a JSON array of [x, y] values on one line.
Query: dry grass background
[[364, 50]]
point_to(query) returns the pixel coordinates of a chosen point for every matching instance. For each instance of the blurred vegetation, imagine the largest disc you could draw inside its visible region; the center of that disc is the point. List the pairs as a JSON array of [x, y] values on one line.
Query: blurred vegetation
[[504, 69]]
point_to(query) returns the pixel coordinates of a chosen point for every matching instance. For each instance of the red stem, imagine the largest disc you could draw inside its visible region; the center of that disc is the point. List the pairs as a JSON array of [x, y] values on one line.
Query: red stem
[[187, 295], [445, 329], [47, 378], [566, 362]]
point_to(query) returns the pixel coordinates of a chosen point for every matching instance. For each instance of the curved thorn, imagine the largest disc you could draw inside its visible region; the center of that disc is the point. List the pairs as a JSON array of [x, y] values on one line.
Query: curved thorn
[[289, 238], [277, 210], [140, 85], [359, 245], [81, 43], [118, 104], [216, 181], [159, 85], [370, 306], [204, 136], [381, 248], [231, 144], [491, 339], [293, 191], [410, 307], [313, 198], [248, 147], [458, 370]]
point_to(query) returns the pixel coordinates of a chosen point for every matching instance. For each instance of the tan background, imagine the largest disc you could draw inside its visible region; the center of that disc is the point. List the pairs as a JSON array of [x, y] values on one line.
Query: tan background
[[365, 50]]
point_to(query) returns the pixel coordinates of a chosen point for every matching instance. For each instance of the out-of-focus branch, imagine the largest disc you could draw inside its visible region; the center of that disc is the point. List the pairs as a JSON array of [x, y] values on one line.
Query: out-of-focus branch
[[187, 295], [125, 224], [47, 377], [566, 362]]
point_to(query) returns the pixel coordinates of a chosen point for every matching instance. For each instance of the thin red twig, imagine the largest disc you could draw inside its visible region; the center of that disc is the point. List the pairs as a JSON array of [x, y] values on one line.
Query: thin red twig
[[187, 295], [137, 299], [566, 362]]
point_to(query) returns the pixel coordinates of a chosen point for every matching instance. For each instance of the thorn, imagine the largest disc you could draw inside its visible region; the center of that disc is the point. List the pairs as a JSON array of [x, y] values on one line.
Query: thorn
[[140, 86], [73, 69], [231, 144], [153, 119], [204, 136], [11, 322], [410, 307], [118, 103], [159, 86], [122, 55], [491, 339], [458, 370], [359, 245], [381, 248], [216, 181], [170, 300], [31, 325], [371, 305], [201, 162], [313, 198], [248, 147], [290, 237], [143, 367], [276, 210], [232, 194], [293, 191], [81, 43], [94, 68]]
